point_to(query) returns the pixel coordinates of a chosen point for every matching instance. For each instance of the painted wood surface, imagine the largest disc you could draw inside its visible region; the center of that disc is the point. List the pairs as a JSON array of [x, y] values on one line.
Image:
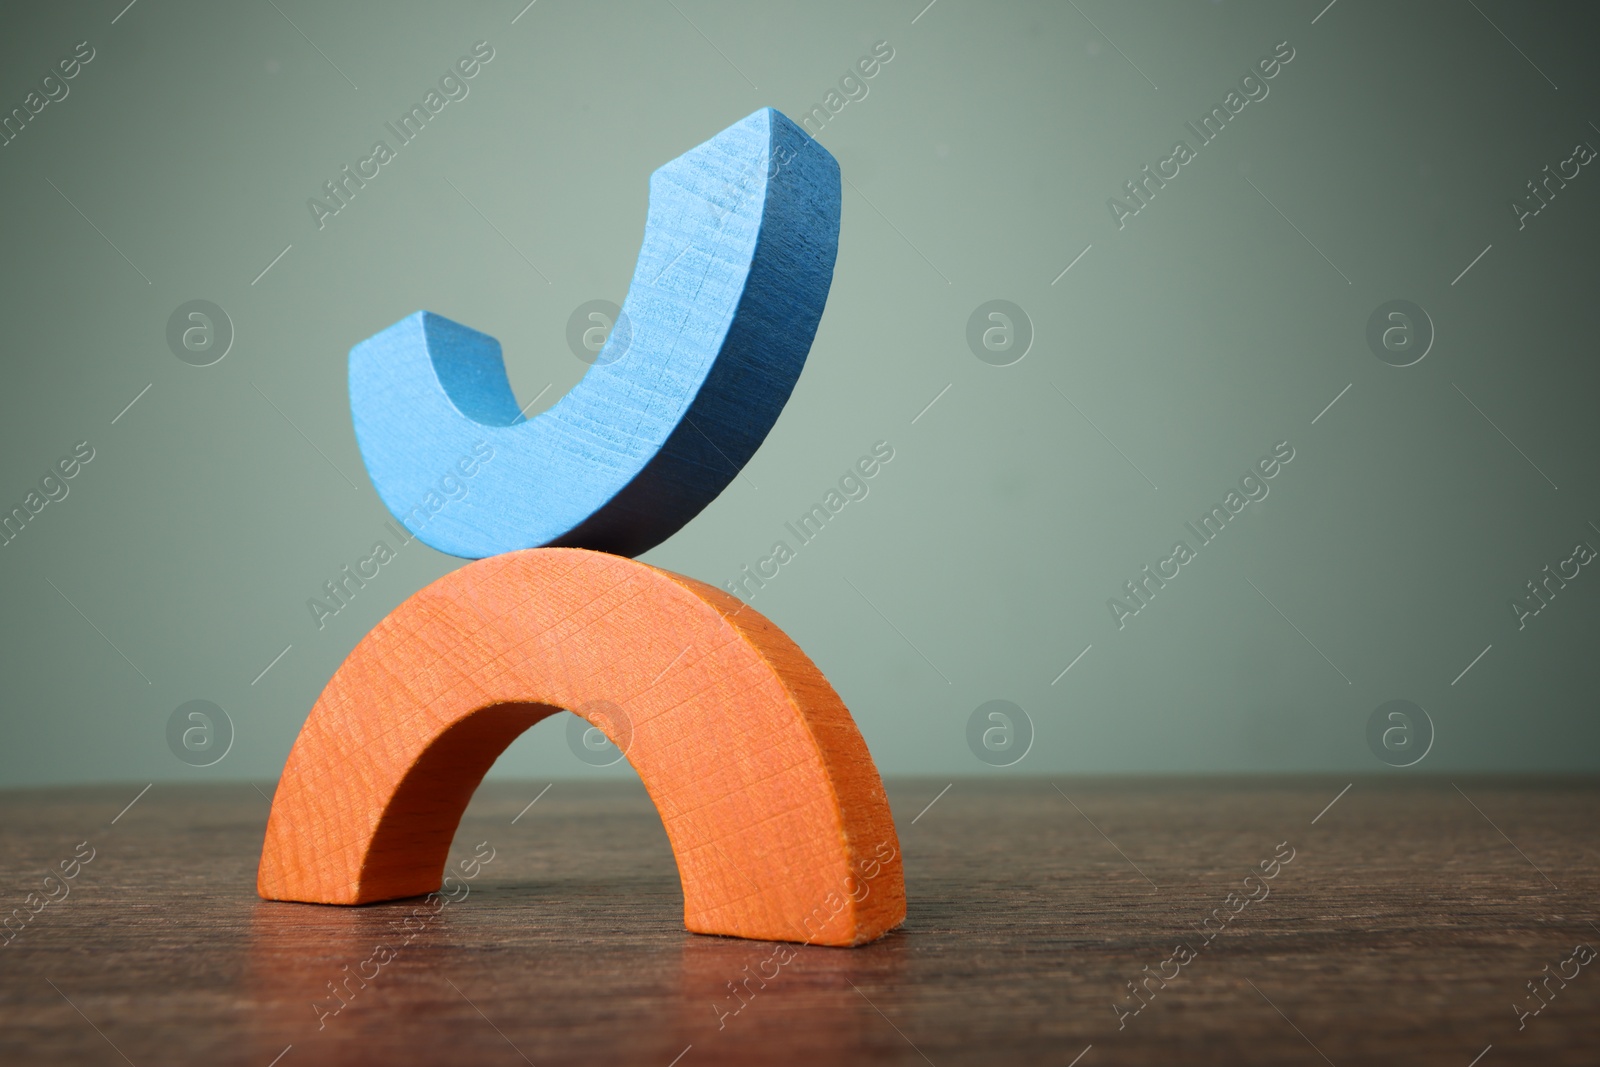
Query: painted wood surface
[[734, 270], [775, 811]]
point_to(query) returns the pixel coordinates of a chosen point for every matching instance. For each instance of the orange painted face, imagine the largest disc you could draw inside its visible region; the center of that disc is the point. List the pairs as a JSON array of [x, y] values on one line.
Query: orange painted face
[[775, 811]]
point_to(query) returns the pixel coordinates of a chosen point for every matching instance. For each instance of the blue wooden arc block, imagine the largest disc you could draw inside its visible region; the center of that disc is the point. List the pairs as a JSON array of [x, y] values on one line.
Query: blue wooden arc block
[[734, 270]]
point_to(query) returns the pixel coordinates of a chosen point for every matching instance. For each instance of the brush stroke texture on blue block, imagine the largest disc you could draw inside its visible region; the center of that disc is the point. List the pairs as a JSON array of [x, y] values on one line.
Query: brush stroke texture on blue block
[[733, 273]]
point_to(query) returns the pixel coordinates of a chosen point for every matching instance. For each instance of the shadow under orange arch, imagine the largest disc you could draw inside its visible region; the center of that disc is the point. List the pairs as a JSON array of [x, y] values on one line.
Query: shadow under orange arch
[[776, 814]]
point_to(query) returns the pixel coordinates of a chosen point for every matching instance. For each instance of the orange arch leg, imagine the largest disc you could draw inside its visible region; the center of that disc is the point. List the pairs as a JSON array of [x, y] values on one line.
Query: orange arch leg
[[776, 814]]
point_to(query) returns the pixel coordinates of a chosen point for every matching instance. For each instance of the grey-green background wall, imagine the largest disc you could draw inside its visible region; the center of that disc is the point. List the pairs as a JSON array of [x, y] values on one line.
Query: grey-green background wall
[[1219, 321]]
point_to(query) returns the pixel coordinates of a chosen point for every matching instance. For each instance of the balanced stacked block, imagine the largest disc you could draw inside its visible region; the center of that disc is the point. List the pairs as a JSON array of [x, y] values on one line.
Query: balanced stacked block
[[776, 814]]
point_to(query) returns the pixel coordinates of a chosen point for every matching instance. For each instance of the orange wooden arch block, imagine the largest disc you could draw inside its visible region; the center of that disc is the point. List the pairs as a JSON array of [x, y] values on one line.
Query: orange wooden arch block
[[776, 814]]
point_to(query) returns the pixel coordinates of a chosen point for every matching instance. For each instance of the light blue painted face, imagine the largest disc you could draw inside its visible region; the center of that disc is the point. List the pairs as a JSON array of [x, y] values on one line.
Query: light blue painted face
[[732, 276]]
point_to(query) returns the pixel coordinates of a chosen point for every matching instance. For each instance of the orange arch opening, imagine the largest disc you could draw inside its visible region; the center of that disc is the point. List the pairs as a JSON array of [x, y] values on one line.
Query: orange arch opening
[[775, 812]]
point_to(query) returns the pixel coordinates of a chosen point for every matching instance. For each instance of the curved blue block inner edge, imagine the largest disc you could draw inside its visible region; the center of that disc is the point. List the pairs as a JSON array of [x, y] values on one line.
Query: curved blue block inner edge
[[642, 444]]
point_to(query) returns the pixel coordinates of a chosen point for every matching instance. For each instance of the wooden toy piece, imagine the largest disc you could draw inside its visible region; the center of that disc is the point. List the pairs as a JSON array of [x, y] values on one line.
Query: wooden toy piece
[[732, 276], [775, 812]]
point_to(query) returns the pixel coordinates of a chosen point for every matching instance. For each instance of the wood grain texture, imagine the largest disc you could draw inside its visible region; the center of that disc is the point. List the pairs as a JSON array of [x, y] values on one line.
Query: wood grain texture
[[774, 808], [732, 276], [1402, 933]]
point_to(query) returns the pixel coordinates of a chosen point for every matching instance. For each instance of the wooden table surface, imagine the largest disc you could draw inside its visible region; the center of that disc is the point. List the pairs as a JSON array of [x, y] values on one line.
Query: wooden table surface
[[1404, 929]]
